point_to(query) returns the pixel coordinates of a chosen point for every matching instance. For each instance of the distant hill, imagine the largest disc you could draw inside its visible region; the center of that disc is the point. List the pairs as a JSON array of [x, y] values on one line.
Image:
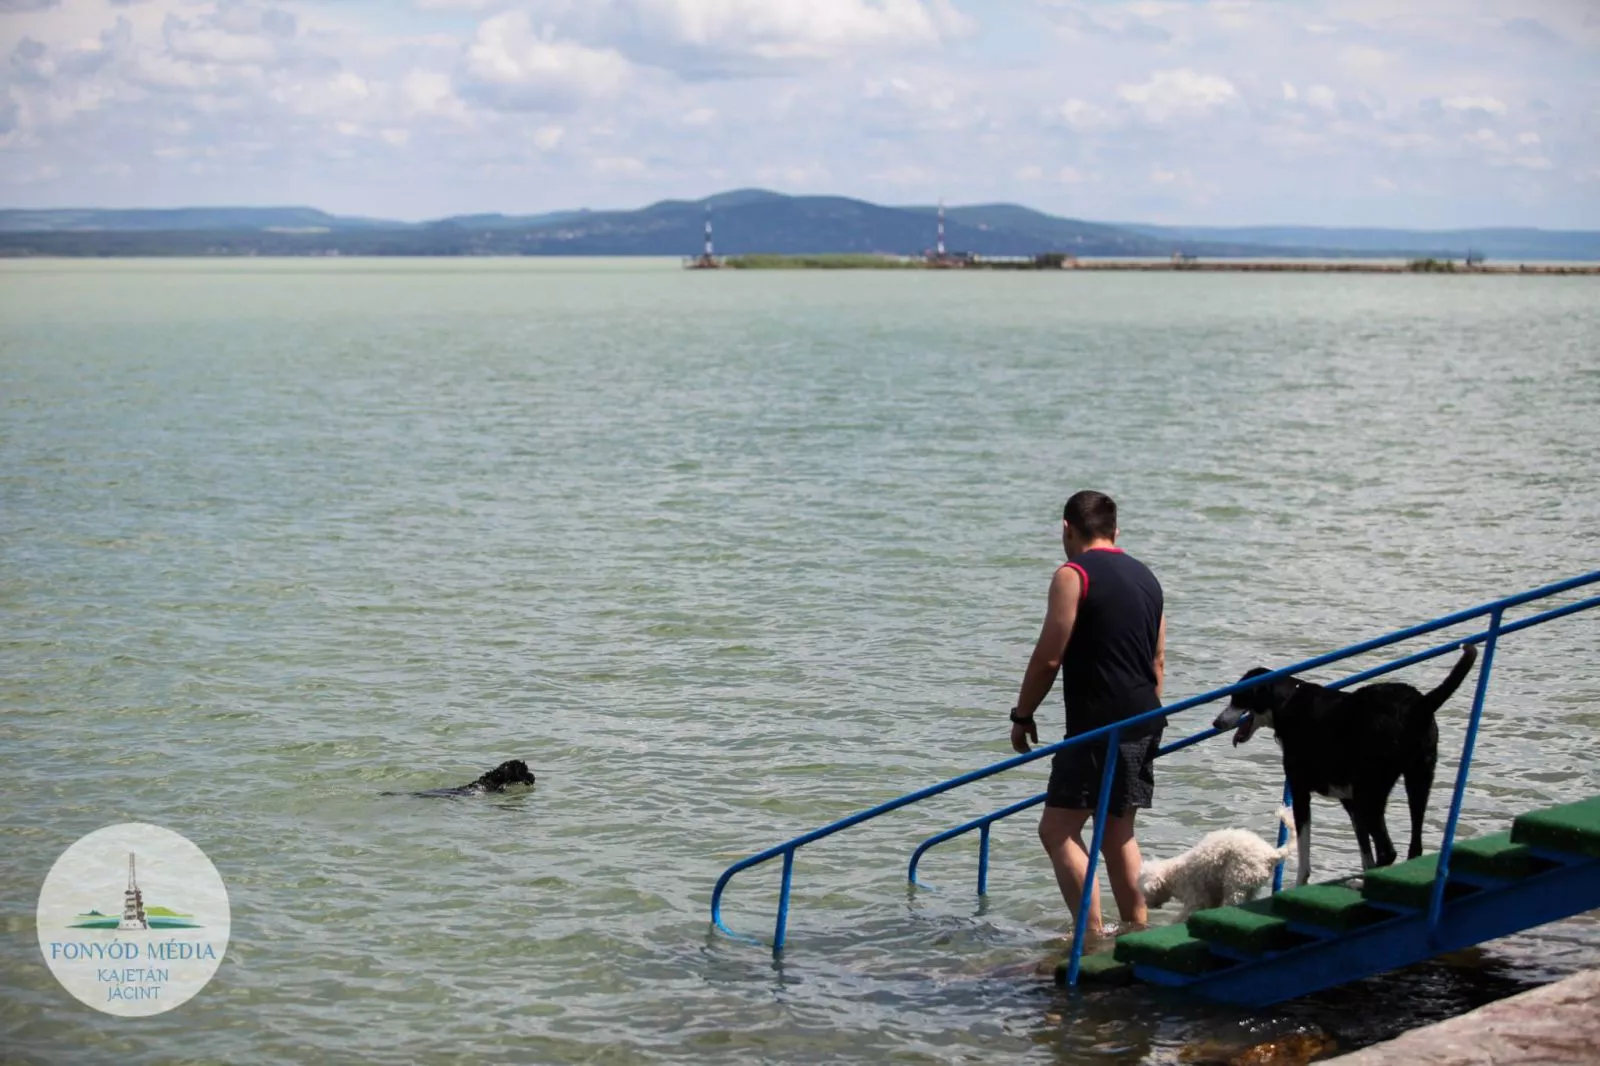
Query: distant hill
[[95, 220], [506, 221], [747, 221], [1513, 244]]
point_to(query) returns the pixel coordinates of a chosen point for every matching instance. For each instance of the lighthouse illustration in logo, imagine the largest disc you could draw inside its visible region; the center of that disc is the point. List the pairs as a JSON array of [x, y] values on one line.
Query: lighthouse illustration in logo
[[133, 902]]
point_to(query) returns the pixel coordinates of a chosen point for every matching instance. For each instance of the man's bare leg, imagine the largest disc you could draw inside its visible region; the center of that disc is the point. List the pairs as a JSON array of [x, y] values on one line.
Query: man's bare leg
[[1121, 854], [1061, 833]]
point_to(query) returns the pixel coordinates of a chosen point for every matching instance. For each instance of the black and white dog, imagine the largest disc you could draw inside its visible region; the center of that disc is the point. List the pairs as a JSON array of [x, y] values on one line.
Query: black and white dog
[[1351, 746], [514, 772]]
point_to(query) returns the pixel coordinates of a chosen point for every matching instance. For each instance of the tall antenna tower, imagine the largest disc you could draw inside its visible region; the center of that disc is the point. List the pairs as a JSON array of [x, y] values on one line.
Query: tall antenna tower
[[708, 231], [939, 247]]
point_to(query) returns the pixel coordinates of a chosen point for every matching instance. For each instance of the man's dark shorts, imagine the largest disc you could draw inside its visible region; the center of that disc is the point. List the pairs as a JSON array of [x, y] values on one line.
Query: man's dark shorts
[[1076, 772]]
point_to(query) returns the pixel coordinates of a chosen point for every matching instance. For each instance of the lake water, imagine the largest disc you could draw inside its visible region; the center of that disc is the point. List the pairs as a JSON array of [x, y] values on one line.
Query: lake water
[[726, 556]]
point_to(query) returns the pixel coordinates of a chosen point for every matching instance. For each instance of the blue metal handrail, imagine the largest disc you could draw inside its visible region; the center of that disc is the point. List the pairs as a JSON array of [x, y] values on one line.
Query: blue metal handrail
[[1110, 733], [983, 823]]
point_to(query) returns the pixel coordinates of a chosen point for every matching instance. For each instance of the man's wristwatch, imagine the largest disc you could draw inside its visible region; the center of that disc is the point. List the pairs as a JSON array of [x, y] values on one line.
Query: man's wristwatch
[[1015, 717]]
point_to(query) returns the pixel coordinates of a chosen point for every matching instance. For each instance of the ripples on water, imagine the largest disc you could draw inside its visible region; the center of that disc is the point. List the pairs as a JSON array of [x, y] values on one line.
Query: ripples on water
[[725, 557]]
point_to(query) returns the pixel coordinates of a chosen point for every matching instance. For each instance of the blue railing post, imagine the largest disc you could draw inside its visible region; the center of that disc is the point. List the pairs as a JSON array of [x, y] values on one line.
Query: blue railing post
[[783, 901], [1442, 875], [966, 827], [983, 859], [1081, 921], [1283, 838]]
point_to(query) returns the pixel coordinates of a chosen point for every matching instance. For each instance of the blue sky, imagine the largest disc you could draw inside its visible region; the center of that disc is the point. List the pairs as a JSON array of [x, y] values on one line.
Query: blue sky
[[1421, 113]]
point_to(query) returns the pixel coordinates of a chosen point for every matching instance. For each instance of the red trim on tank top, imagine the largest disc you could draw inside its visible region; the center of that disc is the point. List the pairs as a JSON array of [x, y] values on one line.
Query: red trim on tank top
[[1107, 548], [1084, 574]]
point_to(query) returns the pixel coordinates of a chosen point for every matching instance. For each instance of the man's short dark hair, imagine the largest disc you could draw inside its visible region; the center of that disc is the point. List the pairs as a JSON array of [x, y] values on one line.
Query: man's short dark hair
[[1093, 514]]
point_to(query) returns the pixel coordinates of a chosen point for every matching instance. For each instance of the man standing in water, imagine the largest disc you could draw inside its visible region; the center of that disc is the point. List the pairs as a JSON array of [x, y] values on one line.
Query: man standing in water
[[1105, 631]]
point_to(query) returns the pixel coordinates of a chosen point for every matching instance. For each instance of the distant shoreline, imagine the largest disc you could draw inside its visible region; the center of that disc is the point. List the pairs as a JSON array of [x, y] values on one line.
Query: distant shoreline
[[1175, 265], [852, 261]]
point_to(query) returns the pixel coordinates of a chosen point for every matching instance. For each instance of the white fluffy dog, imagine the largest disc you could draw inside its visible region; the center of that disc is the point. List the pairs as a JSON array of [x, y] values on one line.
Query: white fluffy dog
[[1220, 871]]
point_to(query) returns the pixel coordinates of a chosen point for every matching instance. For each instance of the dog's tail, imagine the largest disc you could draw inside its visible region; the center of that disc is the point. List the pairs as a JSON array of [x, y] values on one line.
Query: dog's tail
[[1430, 703], [1286, 816]]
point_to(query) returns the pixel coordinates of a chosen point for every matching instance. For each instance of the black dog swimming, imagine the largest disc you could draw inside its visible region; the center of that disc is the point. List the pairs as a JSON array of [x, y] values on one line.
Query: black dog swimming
[[1351, 746], [514, 772]]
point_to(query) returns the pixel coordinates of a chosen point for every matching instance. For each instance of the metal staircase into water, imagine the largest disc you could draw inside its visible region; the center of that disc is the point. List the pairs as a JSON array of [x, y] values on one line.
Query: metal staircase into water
[[1547, 867]]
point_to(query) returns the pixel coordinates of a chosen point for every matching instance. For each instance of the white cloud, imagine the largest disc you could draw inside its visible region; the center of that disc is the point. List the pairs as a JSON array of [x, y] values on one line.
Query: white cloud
[[1366, 62], [809, 175], [700, 116], [1290, 93], [211, 45], [1138, 22], [1528, 138], [1474, 103], [431, 93], [1322, 98], [515, 65], [913, 174], [619, 166], [1499, 152], [1082, 115], [1030, 172], [1178, 93], [728, 36]]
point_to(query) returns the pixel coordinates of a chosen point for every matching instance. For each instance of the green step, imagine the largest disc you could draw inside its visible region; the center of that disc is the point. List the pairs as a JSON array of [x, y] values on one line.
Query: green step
[[1332, 907], [1250, 927], [1101, 969], [1409, 884], [1571, 827], [1169, 947], [1492, 856]]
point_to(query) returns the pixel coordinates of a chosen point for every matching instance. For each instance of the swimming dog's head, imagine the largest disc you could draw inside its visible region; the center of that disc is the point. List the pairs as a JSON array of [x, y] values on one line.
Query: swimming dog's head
[[514, 772], [1254, 707]]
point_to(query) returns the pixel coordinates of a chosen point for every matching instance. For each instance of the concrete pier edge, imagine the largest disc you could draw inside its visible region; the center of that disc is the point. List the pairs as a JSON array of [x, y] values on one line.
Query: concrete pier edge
[[1556, 1024]]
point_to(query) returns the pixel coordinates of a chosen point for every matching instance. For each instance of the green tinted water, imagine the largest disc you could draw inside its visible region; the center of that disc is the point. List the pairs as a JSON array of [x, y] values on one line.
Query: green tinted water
[[724, 556]]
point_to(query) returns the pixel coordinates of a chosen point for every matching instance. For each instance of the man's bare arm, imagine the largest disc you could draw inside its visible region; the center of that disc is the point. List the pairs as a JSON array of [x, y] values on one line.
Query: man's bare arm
[[1061, 612], [1161, 656]]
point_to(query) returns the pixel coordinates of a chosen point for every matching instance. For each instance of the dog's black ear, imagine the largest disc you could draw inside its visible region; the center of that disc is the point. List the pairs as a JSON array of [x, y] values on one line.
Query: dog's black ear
[[1266, 697]]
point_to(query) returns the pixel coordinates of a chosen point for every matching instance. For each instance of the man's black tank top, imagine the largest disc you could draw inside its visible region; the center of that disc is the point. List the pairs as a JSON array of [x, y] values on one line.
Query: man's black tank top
[[1108, 672]]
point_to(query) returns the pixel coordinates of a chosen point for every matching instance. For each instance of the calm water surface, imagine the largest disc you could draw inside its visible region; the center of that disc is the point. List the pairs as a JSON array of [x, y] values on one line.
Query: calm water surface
[[725, 557]]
